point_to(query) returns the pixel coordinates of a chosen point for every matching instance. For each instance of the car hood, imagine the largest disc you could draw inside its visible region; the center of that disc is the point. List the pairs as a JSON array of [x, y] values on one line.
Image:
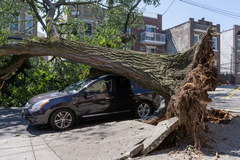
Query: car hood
[[48, 95]]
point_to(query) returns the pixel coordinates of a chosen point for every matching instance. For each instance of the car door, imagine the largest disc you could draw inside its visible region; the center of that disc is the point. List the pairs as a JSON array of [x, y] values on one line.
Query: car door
[[121, 95], [95, 98]]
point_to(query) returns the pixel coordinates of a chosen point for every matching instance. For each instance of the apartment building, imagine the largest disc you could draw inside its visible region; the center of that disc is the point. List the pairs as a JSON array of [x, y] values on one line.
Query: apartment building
[[150, 38], [230, 55], [183, 36], [87, 14], [24, 25]]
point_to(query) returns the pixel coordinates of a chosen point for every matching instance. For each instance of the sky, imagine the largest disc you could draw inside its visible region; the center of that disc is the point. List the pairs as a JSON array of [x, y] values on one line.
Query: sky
[[180, 12]]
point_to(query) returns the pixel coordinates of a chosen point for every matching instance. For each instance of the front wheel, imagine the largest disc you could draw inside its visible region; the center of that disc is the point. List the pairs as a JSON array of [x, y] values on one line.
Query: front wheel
[[62, 119], [143, 109]]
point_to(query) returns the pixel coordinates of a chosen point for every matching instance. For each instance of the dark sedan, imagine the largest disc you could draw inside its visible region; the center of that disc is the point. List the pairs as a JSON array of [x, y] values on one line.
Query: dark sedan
[[99, 96]]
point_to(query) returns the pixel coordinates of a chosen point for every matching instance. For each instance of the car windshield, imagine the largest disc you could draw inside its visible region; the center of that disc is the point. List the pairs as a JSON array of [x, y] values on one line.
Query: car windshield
[[75, 87]]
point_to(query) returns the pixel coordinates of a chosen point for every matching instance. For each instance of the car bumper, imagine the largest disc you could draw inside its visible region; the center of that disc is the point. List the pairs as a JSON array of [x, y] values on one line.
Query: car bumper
[[33, 118]]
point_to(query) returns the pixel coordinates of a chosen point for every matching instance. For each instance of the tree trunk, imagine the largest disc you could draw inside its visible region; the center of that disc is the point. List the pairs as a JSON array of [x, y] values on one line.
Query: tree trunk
[[159, 72]]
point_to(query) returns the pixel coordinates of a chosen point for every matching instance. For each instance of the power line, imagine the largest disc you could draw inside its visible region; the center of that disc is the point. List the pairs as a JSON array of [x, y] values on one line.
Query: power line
[[210, 8], [213, 9], [169, 7]]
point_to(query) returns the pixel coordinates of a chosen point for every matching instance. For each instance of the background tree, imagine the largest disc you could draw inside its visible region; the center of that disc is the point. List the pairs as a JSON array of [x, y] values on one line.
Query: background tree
[[115, 17]]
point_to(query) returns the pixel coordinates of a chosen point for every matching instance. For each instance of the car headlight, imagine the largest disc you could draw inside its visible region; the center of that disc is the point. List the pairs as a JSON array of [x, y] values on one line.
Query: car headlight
[[37, 106]]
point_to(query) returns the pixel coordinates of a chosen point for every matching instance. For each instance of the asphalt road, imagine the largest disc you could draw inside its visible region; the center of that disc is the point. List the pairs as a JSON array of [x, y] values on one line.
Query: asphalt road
[[13, 125], [226, 98]]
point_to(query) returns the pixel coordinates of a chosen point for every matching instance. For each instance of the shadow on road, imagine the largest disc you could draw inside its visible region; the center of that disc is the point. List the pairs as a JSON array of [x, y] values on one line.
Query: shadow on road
[[46, 129], [12, 124]]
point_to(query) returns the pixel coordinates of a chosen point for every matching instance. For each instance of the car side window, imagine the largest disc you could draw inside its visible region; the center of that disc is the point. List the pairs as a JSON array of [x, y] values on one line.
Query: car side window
[[123, 84], [100, 87]]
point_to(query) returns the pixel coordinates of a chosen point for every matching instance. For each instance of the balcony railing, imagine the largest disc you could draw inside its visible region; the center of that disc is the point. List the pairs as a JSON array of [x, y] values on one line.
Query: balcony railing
[[153, 38]]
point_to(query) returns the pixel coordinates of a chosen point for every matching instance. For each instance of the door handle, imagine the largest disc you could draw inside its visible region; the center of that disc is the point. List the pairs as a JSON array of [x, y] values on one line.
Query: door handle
[[89, 96]]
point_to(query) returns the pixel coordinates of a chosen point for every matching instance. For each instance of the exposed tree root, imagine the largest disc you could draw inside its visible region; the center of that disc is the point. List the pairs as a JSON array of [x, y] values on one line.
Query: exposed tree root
[[155, 120], [218, 116], [191, 100], [213, 116]]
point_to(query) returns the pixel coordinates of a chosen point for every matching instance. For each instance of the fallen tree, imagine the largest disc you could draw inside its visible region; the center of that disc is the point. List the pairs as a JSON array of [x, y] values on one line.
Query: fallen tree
[[182, 79], [159, 72]]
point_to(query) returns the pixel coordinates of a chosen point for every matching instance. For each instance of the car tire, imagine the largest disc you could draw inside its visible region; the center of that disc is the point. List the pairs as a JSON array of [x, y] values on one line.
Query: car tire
[[143, 109], [62, 119]]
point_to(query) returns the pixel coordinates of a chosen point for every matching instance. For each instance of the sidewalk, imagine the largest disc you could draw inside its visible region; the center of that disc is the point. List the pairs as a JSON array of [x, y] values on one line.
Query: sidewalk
[[104, 141], [26, 148]]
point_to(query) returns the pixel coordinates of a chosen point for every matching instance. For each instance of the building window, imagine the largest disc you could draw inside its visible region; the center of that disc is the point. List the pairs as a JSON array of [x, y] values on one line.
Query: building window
[[15, 26], [196, 38], [238, 44], [214, 45], [87, 12], [29, 24], [129, 30], [88, 29], [150, 32], [215, 63], [75, 13], [238, 69], [150, 49], [150, 28], [142, 48]]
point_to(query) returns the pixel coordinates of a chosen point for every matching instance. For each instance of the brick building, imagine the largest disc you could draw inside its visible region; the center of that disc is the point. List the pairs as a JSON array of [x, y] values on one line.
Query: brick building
[[230, 55], [150, 38], [182, 37]]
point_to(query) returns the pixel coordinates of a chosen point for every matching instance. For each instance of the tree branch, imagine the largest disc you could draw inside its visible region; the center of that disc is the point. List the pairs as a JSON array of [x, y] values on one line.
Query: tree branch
[[40, 2], [128, 16], [46, 7], [58, 13], [13, 65], [34, 8], [47, 2], [31, 27]]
